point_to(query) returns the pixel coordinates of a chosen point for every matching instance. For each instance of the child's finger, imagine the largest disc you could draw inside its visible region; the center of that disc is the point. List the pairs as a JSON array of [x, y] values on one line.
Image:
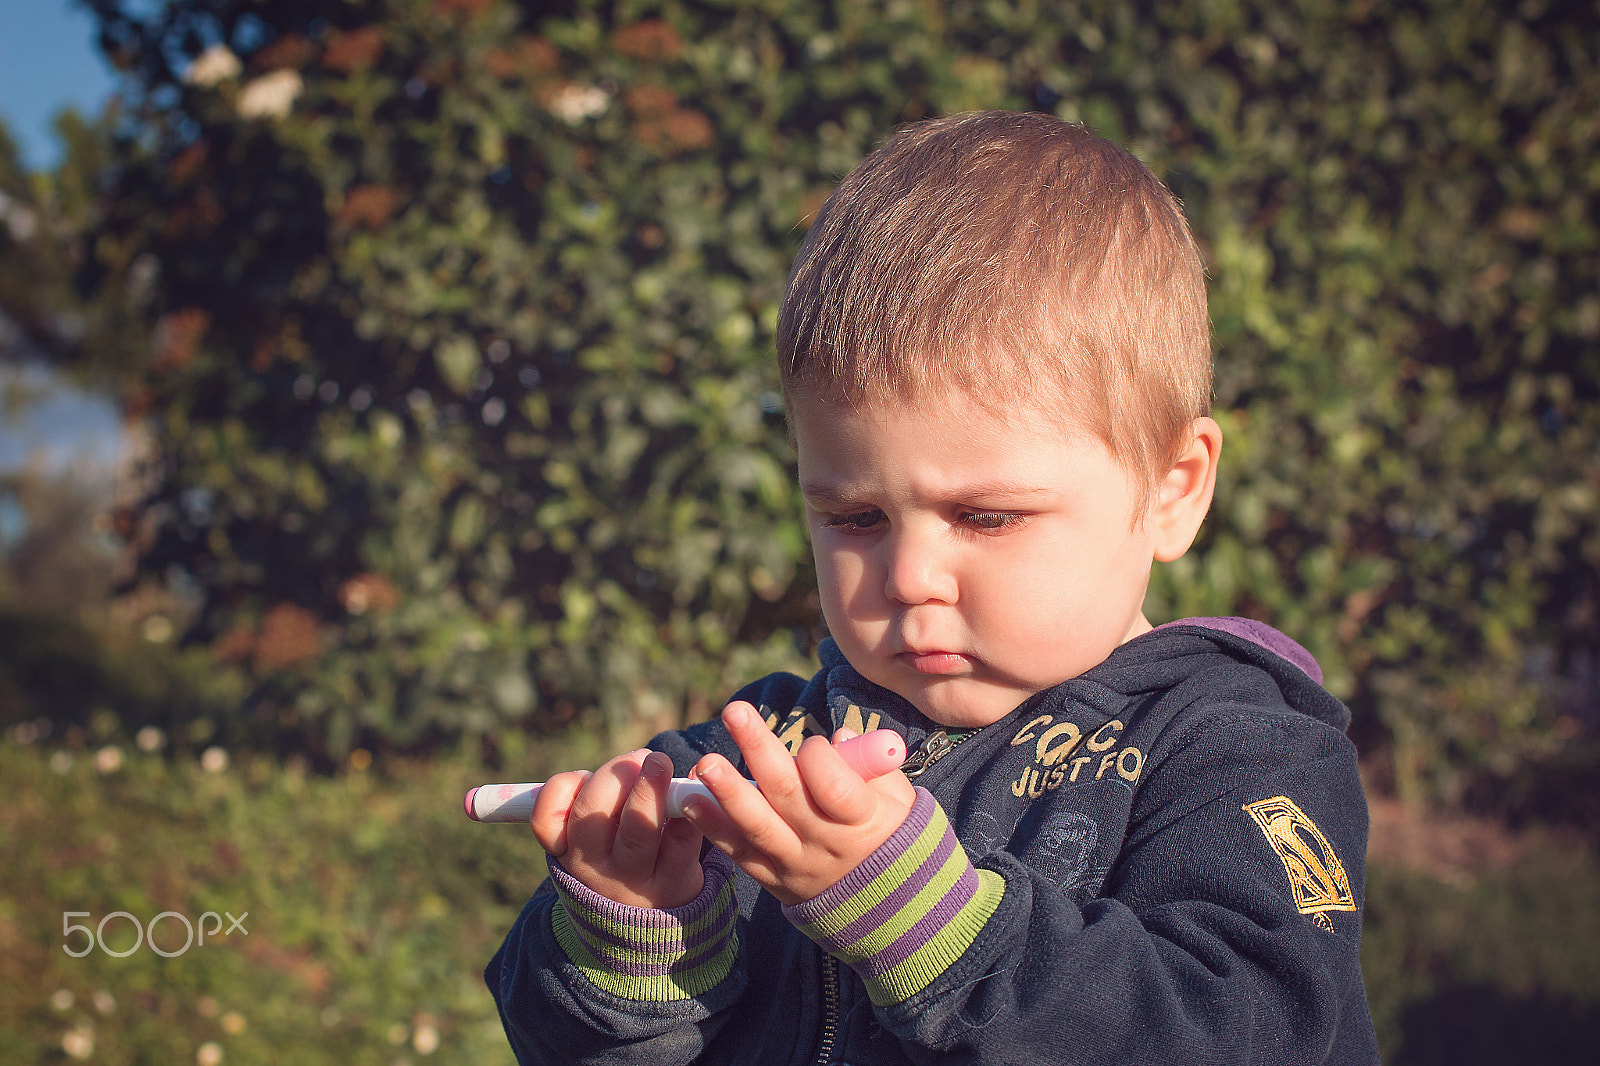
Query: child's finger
[[643, 815], [680, 846], [768, 761], [551, 809], [593, 821], [709, 820], [837, 791], [748, 830]]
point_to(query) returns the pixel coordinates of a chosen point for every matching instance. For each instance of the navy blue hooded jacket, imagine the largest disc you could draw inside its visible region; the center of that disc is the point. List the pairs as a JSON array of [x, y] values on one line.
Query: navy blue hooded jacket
[[1181, 833]]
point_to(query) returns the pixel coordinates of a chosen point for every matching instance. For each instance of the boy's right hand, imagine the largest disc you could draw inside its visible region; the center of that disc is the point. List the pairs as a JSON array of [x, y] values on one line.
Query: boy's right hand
[[611, 831]]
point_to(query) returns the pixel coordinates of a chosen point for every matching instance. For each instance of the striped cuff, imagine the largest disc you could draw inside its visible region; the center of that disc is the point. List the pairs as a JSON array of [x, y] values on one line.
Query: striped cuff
[[644, 954], [908, 912]]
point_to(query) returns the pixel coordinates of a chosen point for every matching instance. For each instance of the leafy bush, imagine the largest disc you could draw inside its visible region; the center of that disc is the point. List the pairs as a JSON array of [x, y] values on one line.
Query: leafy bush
[[64, 677], [460, 384]]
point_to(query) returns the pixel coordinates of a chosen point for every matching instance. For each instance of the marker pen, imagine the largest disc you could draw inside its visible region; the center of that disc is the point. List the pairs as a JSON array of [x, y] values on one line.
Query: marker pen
[[871, 755]]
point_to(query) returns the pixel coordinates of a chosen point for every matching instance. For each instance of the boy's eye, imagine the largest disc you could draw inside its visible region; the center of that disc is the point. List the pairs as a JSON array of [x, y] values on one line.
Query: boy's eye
[[855, 521], [990, 521]]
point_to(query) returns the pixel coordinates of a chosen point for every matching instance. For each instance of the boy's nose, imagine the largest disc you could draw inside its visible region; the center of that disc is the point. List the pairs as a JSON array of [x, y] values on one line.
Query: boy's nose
[[916, 572]]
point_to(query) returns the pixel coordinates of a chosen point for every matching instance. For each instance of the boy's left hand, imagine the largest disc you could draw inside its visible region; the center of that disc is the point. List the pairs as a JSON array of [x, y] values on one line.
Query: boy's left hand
[[812, 821]]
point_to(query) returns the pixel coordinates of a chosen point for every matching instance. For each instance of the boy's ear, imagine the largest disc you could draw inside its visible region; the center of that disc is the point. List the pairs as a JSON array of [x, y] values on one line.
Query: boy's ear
[[1184, 495]]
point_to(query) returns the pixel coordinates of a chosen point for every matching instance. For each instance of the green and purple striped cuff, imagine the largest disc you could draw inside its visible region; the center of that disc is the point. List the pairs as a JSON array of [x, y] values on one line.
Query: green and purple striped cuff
[[908, 912], [650, 955]]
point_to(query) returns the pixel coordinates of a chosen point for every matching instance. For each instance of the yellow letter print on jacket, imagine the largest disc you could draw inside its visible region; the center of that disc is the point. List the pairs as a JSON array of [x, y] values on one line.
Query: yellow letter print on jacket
[[1054, 746], [1316, 876]]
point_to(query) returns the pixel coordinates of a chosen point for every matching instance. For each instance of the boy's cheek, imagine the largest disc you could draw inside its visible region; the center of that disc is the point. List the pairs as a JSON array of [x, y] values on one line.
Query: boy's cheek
[[832, 564], [845, 583]]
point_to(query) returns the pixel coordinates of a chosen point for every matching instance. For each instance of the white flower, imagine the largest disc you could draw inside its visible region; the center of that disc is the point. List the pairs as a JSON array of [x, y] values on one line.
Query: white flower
[[157, 629], [79, 1042], [215, 64], [150, 738], [271, 95], [108, 760], [574, 102], [214, 760], [208, 1054]]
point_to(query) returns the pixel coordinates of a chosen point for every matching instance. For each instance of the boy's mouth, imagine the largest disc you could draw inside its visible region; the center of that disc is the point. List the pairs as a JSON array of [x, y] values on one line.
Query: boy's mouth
[[936, 662]]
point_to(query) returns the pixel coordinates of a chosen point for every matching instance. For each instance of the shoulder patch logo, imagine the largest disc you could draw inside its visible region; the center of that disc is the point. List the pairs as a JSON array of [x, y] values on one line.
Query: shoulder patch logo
[[1316, 876]]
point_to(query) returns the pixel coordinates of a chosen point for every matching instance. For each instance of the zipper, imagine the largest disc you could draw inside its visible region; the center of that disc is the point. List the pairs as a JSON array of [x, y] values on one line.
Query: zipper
[[830, 1008], [933, 748]]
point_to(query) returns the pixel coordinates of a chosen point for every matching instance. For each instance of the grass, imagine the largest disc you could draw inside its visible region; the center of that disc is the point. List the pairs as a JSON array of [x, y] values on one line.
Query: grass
[[373, 905], [1494, 966]]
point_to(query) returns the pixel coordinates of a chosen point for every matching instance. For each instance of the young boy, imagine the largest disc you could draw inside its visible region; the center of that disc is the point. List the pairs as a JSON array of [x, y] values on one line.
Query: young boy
[[1112, 843]]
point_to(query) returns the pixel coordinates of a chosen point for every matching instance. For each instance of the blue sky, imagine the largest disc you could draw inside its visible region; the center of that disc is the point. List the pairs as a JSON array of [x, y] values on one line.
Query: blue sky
[[48, 60]]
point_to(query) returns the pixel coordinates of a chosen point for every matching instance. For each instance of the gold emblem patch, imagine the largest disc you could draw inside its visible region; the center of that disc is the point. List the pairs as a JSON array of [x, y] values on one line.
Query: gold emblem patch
[[1316, 876]]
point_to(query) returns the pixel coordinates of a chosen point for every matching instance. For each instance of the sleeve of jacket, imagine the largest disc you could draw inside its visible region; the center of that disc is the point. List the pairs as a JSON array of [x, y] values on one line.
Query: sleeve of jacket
[[1202, 948], [580, 979]]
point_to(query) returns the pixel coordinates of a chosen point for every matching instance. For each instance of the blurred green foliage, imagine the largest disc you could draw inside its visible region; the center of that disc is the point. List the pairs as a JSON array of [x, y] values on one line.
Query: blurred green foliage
[[369, 907], [372, 906], [459, 376], [51, 308], [1488, 965]]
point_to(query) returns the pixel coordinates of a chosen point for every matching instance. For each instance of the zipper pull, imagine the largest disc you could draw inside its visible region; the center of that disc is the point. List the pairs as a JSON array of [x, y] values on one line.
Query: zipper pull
[[935, 747]]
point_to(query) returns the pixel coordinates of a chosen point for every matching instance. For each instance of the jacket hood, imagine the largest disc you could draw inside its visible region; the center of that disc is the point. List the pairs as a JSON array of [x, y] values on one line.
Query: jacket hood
[[1292, 668]]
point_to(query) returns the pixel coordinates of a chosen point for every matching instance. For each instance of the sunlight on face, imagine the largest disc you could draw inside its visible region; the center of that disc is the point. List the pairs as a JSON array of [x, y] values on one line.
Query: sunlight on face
[[968, 559]]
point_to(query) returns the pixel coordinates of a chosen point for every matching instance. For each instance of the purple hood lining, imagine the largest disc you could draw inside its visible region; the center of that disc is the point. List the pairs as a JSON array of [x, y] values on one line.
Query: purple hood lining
[[1261, 635]]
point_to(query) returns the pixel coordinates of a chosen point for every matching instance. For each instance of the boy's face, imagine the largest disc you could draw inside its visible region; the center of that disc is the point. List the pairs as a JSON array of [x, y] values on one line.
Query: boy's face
[[968, 560]]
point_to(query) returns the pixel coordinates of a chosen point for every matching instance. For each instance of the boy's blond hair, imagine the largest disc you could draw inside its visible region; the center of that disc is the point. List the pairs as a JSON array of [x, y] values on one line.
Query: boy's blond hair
[[1019, 258]]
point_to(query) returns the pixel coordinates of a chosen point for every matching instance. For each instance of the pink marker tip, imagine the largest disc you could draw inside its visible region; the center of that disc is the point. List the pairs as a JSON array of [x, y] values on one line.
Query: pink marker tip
[[468, 803], [873, 754]]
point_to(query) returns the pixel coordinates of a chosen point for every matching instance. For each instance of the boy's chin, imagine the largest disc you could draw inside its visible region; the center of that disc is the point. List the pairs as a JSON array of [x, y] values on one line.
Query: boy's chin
[[963, 703]]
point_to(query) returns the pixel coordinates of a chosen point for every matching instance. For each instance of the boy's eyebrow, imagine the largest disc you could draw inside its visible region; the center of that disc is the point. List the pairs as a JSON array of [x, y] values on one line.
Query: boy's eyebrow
[[819, 492]]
